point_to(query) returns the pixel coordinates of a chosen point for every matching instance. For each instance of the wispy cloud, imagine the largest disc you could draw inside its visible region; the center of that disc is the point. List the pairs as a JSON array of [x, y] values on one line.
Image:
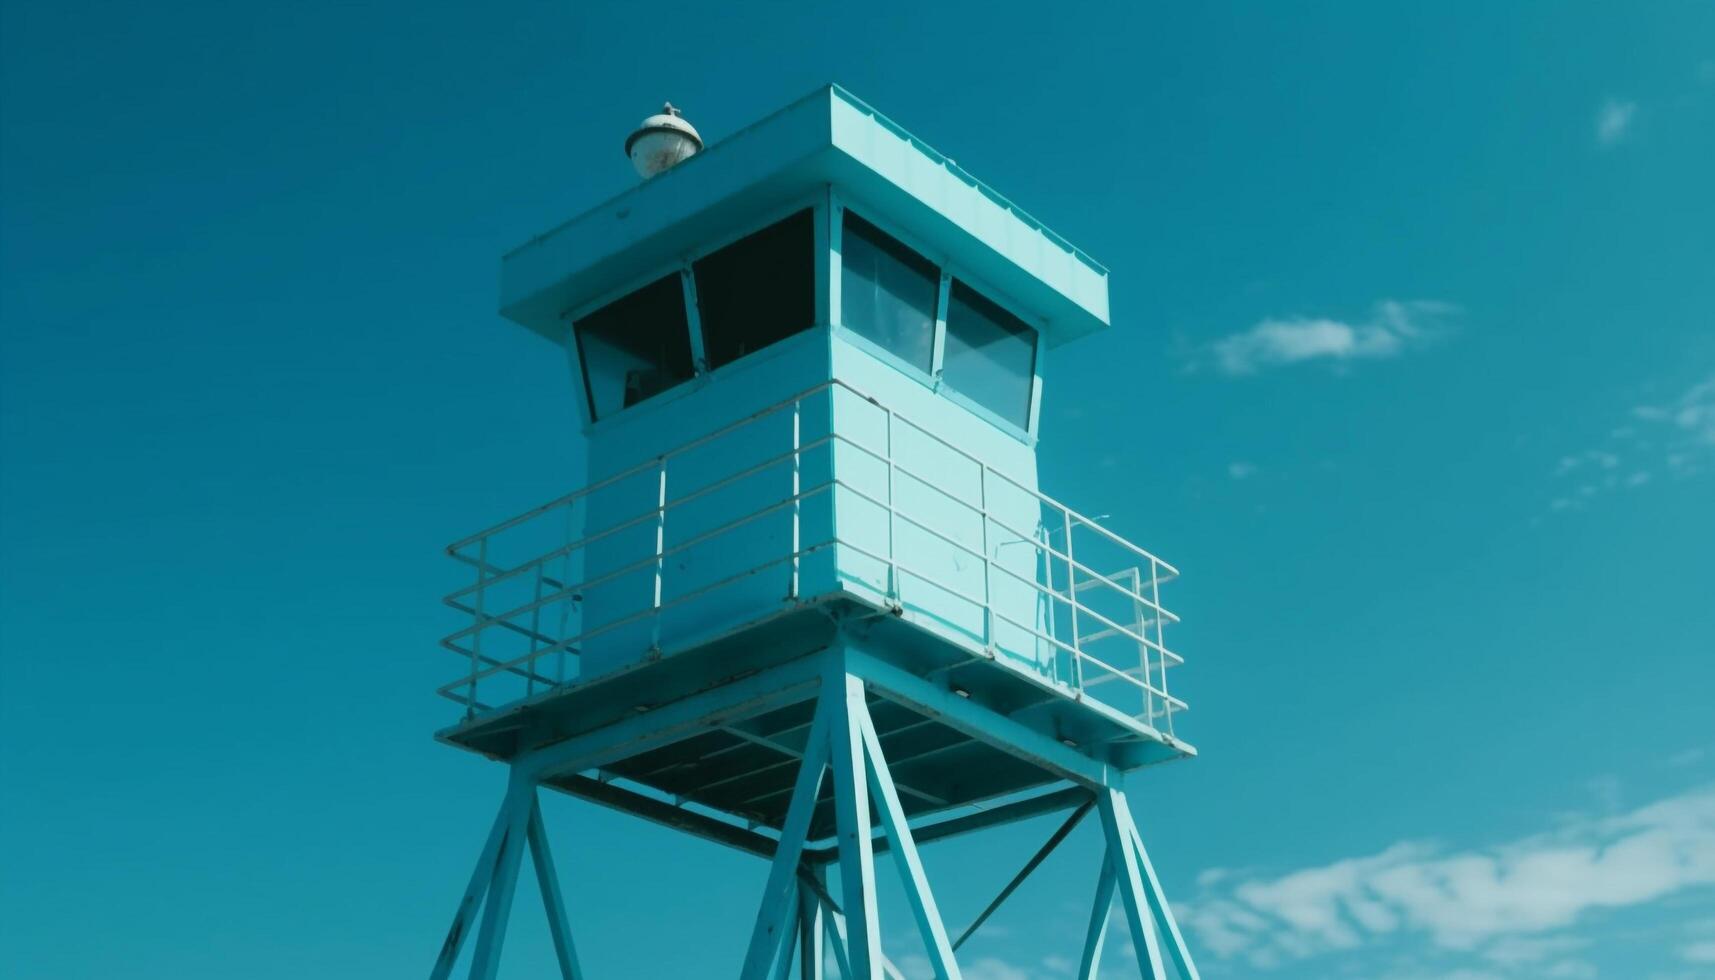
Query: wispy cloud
[[1692, 415], [1675, 437], [1522, 907], [1614, 120], [1240, 470], [1392, 328]]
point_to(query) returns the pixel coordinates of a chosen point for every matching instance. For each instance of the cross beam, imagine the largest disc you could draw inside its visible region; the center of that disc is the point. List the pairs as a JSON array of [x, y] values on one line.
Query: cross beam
[[799, 926]]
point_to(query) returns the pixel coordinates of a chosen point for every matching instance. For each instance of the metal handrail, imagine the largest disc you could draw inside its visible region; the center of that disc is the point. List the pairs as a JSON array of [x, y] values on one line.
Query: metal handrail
[[1154, 658]]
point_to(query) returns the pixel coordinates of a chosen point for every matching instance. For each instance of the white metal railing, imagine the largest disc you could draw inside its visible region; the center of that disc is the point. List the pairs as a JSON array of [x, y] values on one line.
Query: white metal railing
[[527, 629]]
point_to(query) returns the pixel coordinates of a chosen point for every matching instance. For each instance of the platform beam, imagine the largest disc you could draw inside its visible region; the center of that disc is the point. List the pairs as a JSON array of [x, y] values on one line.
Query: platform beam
[[799, 927]]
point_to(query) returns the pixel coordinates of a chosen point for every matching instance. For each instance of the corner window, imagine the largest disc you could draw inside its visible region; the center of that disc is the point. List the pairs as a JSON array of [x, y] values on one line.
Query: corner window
[[888, 292], [990, 355], [757, 291], [635, 347]]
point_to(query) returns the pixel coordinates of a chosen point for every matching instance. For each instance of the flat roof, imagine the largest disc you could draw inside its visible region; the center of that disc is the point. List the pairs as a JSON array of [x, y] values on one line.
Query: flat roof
[[827, 138]]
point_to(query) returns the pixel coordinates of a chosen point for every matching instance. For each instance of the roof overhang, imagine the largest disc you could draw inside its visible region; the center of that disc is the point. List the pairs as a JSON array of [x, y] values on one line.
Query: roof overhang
[[828, 138]]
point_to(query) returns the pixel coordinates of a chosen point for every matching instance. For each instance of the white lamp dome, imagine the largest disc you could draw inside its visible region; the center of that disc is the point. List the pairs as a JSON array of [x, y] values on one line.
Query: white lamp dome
[[662, 141]]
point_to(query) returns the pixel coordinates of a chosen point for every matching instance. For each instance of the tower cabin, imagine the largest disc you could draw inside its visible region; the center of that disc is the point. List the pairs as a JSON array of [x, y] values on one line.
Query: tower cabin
[[809, 363]]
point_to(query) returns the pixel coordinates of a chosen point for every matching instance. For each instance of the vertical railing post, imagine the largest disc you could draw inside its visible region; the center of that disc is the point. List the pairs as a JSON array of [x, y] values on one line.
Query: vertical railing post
[[1160, 640], [988, 559], [660, 552], [892, 556], [535, 634], [797, 496], [476, 636], [1140, 623], [1045, 551], [1072, 605], [566, 602]]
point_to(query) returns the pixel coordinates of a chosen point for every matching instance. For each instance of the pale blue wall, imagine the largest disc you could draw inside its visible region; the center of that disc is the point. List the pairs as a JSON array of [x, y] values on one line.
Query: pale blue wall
[[941, 581], [938, 576], [645, 431]]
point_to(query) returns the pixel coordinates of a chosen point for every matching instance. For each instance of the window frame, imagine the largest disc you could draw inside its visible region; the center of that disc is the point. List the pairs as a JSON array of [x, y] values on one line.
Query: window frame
[[575, 352], [827, 207], [681, 264], [772, 217], [935, 380]]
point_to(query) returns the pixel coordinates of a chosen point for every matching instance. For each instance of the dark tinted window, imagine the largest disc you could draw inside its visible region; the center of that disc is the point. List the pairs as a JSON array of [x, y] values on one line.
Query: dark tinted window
[[990, 356], [635, 347], [758, 290], [888, 292]]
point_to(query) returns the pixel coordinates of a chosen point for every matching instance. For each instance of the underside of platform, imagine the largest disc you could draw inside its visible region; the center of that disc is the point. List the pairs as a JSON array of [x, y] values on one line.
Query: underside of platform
[[840, 744], [709, 740]]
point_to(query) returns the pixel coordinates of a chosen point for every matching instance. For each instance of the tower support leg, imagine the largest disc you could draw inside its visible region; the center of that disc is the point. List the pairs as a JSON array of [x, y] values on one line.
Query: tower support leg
[[1177, 951], [1098, 932], [480, 878], [549, 882], [810, 930], [844, 747], [521, 802], [1147, 912], [517, 827]]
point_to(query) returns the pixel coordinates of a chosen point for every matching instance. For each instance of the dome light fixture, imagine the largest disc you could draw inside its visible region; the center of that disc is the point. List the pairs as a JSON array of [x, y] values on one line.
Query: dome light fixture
[[661, 142]]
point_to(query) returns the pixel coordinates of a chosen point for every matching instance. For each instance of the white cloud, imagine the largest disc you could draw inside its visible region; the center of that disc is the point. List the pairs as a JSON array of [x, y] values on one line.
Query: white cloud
[[1508, 905], [1393, 327], [1691, 416], [1675, 437], [1614, 120], [1699, 953], [1590, 457], [1239, 470]]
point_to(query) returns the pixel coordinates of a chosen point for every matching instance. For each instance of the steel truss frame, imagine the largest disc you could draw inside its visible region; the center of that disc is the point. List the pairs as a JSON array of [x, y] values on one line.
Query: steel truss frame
[[800, 927]]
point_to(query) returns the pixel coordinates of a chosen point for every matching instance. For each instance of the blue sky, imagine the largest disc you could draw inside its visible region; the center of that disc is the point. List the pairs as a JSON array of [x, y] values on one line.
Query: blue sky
[[1413, 376]]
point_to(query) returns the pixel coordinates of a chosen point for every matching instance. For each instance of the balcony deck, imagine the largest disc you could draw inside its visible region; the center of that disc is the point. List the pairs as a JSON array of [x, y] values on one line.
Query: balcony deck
[[703, 727]]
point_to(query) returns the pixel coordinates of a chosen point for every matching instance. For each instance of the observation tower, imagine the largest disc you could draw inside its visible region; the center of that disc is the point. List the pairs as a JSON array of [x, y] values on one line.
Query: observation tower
[[811, 603]]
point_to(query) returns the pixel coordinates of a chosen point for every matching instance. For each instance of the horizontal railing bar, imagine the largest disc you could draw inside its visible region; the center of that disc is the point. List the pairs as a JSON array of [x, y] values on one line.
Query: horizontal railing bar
[[955, 592], [1040, 496], [1029, 581], [983, 513], [523, 672], [491, 575], [647, 560], [635, 617], [643, 467], [502, 623], [499, 571], [636, 521], [1140, 684]]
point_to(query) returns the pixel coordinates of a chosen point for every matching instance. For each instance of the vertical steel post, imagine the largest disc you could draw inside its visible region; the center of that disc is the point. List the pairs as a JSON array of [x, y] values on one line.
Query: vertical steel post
[[521, 793], [1177, 951], [788, 934], [548, 882], [844, 695], [810, 928], [988, 558], [797, 497], [660, 553], [1072, 605], [893, 591], [1160, 641], [1140, 623], [566, 602], [1046, 553], [468, 905], [923, 907], [1123, 857], [1097, 934], [765, 935], [476, 636], [535, 635]]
